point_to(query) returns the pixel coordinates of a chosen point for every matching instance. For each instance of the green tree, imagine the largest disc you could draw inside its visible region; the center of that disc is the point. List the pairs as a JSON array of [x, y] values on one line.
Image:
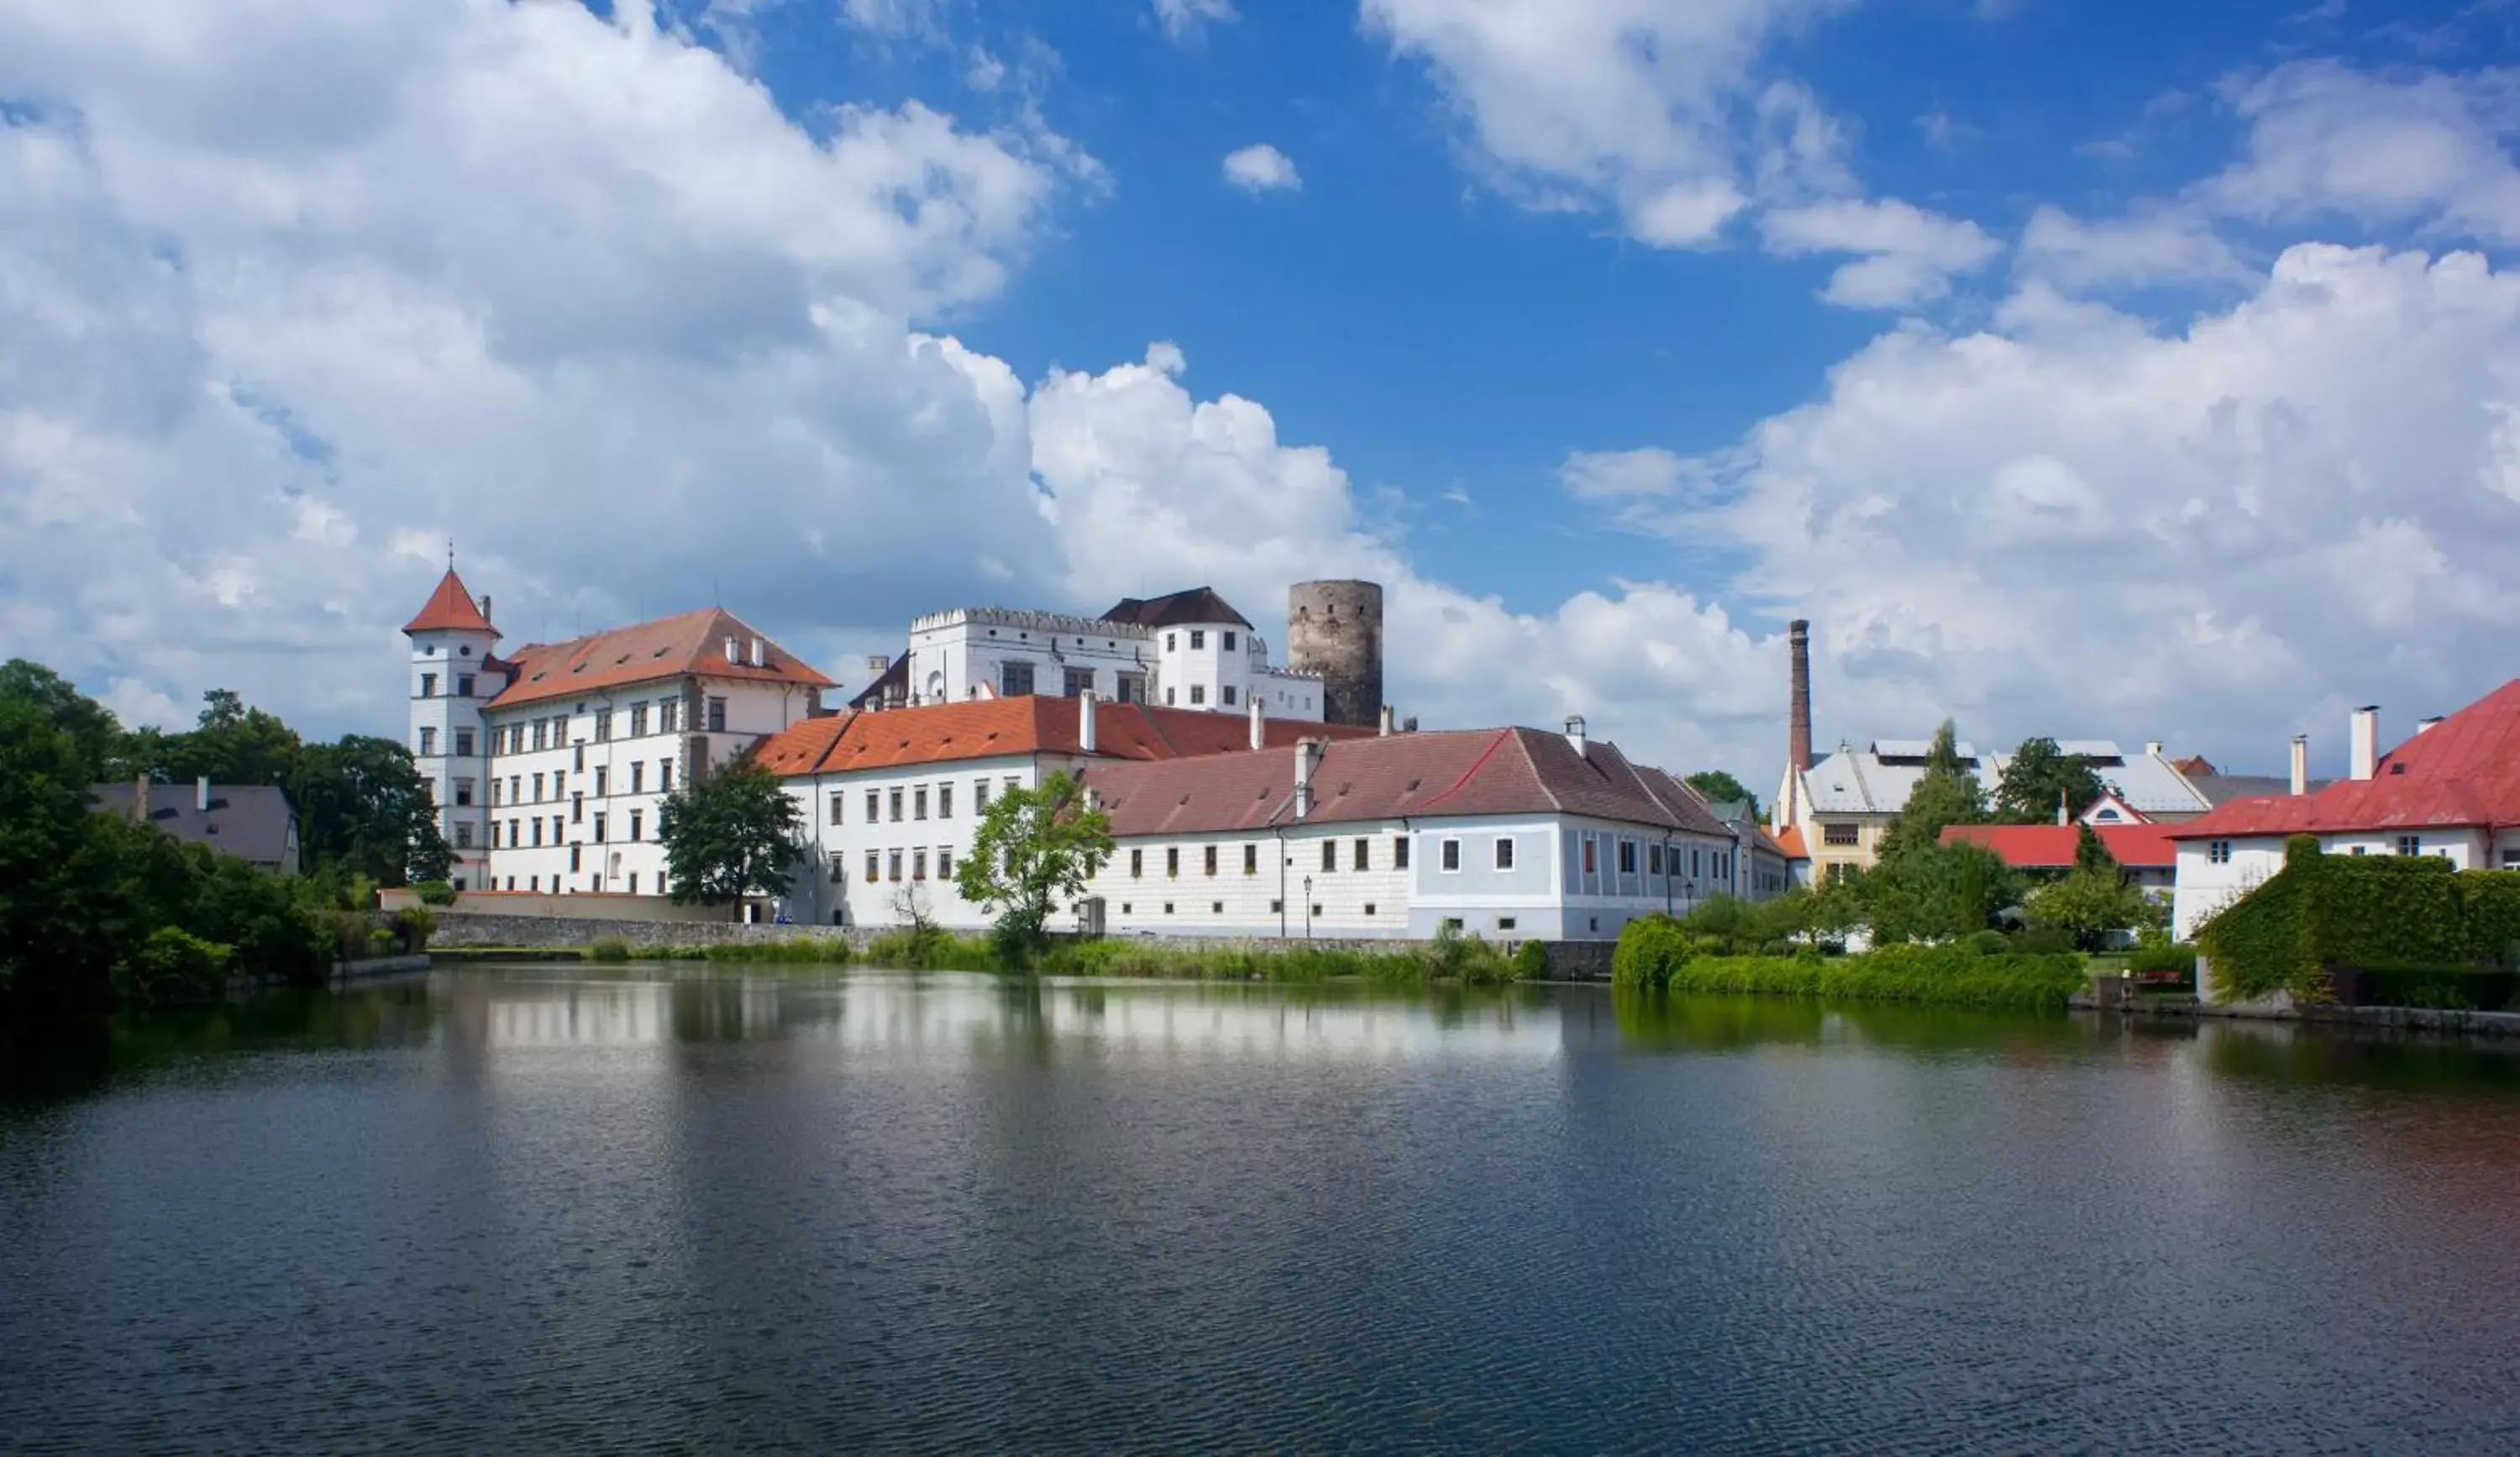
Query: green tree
[[1926, 892], [1721, 788], [2038, 778], [2090, 852], [230, 743], [729, 835], [2092, 902], [95, 736], [1034, 852], [363, 809], [1947, 793]]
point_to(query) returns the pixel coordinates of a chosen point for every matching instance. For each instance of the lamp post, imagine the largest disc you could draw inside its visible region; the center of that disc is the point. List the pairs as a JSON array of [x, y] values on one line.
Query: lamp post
[[1308, 908]]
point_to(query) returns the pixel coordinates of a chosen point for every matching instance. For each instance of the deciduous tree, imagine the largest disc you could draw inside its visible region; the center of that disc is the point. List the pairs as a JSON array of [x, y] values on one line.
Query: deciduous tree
[[1034, 852], [1721, 788], [2038, 777], [731, 833]]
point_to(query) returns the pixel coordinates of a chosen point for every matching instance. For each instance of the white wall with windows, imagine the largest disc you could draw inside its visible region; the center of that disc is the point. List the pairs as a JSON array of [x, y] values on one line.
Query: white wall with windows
[[450, 684], [877, 836], [1333, 880], [971, 653]]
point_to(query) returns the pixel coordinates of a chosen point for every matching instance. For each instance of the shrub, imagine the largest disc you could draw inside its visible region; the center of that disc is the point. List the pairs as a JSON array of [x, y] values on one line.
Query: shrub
[[608, 949], [934, 951], [2043, 940], [812, 950], [414, 926], [1948, 974], [1650, 949], [1531, 962], [173, 968], [434, 892], [2163, 956], [1985, 943]]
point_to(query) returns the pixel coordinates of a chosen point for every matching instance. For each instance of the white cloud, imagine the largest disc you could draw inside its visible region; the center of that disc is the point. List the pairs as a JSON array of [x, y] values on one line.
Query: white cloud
[[2216, 535], [2163, 246], [1261, 167], [2420, 148], [1645, 109], [1909, 256], [898, 20], [1186, 20], [1619, 475]]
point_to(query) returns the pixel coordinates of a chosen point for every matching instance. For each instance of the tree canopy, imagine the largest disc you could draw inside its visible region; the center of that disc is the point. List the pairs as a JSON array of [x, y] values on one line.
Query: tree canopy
[[1721, 788], [2038, 778], [730, 834], [1947, 793], [1034, 852], [363, 808]]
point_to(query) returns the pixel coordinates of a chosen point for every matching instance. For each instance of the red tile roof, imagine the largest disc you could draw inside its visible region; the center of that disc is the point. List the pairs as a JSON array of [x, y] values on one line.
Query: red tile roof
[[1418, 776], [450, 606], [2052, 846], [1790, 841], [985, 728], [693, 642], [2464, 772]]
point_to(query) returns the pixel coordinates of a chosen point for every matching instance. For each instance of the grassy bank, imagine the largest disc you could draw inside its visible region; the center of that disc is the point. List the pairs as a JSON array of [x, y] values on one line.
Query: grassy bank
[[1467, 960]]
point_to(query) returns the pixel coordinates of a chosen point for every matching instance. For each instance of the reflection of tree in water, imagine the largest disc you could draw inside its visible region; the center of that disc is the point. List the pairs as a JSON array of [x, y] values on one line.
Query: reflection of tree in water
[[84, 1058], [2290, 1053], [1026, 1019], [1720, 1023]]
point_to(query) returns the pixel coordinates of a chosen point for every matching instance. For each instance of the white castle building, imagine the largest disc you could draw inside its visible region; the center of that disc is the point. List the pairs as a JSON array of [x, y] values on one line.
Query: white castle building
[[549, 765], [1186, 650]]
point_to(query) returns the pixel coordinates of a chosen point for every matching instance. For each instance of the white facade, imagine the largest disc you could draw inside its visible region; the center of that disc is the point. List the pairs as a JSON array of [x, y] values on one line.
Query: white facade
[[971, 652], [451, 681], [577, 782], [877, 836]]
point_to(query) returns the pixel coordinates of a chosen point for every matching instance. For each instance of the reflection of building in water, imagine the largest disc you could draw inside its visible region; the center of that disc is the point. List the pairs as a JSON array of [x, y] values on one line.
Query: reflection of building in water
[[631, 1014]]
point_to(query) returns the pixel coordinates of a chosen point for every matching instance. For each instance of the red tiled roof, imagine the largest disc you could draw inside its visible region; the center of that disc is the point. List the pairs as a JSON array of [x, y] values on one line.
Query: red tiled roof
[[2465, 771], [1790, 841], [450, 606], [693, 642], [1423, 775], [2052, 846], [985, 728]]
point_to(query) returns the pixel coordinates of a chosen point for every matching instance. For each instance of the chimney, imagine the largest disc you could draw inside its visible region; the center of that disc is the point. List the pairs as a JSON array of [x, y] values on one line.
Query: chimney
[[1575, 734], [2300, 763], [201, 795], [1085, 721], [485, 609], [757, 652], [1259, 728], [1409, 725], [140, 799], [2426, 726], [2062, 817], [1306, 751], [1798, 740], [1386, 720], [2365, 742], [2152, 749]]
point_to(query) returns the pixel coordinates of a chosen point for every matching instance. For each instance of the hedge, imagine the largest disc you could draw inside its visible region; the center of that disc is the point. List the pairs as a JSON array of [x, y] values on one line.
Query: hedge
[[1950, 976], [2363, 912]]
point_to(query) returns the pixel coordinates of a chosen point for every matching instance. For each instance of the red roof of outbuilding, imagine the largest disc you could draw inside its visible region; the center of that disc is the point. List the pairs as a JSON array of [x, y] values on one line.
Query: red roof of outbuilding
[[2052, 846], [2464, 772], [451, 606]]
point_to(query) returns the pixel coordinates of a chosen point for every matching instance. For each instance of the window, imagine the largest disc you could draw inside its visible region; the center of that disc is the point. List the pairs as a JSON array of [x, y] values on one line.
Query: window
[[1197, 639], [2218, 852], [717, 715], [429, 685], [462, 835], [1840, 835], [634, 818], [1653, 859], [1216, 908], [634, 882], [2408, 844], [1211, 859], [1369, 908], [919, 865], [894, 800], [1505, 852], [557, 835], [1171, 642], [1198, 693], [604, 725], [944, 863], [875, 806], [874, 867], [576, 856], [1329, 856], [1628, 859], [944, 801], [638, 783], [919, 802], [1589, 866], [1137, 865], [463, 744], [1172, 862], [1317, 910], [602, 776], [1251, 859], [664, 776], [1361, 854], [577, 809], [463, 792], [668, 712], [560, 784], [1131, 687], [1229, 642], [428, 742], [1277, 908], [893, 865], [980, 799], [1015, 679], [836, 809], [1452, 923], [463, 685], [1451, 857], [534, 883], [1168, 907], [513, 841], [577, 758], [538, 734], [1229, 695], [598, 827], [1505, 923], [638, 720], [1079, 681], [1400, 852]]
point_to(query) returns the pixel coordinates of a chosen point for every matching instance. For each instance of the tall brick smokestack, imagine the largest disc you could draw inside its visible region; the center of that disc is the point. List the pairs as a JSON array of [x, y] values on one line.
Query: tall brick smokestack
[[1799, 747]]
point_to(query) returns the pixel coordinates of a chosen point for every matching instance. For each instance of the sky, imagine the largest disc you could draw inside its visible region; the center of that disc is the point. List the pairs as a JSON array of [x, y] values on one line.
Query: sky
[[2147, 371]]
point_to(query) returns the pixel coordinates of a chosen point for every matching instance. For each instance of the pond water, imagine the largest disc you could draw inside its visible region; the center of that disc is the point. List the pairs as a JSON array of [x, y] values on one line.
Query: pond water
[[536, 1208]]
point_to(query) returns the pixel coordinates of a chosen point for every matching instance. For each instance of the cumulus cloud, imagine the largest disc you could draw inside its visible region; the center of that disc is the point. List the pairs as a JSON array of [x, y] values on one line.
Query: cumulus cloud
[[1619, 475], [2424, 148], [2169, 245], [1261, 167], [1908, 254]]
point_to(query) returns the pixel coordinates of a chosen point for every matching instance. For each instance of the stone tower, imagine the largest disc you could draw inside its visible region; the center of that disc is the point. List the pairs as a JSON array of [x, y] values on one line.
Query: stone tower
[[1336, 629]]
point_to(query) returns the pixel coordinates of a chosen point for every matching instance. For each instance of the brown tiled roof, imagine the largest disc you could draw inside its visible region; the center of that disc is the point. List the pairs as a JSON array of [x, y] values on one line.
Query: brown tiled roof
[[2464, 772], [1198, 604], [985, 728], [693, 642], [1423, 775], [450, 606], [1683, 799]]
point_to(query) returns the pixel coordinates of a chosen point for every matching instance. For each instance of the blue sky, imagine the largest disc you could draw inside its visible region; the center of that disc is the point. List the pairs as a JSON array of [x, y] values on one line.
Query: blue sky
[[2141, 371]]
